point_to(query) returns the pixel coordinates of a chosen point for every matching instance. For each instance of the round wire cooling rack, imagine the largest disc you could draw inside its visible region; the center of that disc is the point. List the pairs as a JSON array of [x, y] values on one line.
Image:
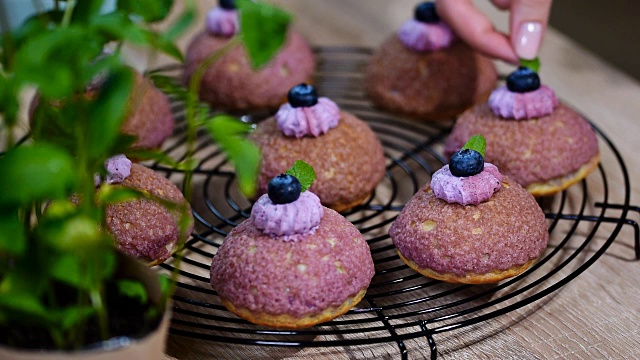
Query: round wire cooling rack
[[402, 310]]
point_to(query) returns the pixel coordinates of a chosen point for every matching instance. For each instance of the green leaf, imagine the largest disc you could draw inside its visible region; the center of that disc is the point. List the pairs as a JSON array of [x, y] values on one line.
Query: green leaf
[[83, 272], [17, 305], [133, 289], [109, 194], [304, 173], [13, 239], [477, 143], [165, 45], [85, 10], [35, 172], [533, 64], [168, 85], [117, 26], [75, 233], [28, 275], [263, 30], [67, 269], [108, 112], [149, 10], [245, 156], [54, 123], [9, 100], [51, 60], [70, 316], [182, 23], [230, 134]]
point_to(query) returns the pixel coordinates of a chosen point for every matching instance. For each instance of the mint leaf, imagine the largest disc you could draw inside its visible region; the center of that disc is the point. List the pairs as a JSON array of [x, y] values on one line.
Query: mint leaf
[[263, 29], [477, 143], [533, 64], [304, 173]]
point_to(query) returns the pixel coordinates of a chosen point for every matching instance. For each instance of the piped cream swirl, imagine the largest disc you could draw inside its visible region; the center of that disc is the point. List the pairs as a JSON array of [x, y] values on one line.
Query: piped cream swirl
[[422, 36], [222, 22], [521, 106], [288, 221], [313, 120], [118, 168], [466, 190]]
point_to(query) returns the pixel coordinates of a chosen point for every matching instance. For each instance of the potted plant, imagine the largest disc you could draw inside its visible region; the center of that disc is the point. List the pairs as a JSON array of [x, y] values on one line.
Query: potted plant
[[64, 289]]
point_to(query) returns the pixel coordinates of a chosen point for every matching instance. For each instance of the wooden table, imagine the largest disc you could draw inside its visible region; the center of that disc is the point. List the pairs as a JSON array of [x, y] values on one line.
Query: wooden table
[[593, 316]]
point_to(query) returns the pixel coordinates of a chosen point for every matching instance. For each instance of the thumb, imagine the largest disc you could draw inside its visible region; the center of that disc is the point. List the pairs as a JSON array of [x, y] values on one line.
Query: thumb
[[528, 24]]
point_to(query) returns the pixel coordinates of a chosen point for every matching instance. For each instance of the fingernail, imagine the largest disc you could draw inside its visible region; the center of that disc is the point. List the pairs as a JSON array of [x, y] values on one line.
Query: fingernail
[[528, 39]]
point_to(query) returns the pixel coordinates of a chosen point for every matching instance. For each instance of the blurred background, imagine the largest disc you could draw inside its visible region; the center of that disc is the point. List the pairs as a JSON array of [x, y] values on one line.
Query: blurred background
[[608, 29]]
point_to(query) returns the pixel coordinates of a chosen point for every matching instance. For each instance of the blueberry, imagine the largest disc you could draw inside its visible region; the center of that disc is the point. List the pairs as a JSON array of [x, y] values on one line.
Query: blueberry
[[284, 189], [523, 80], [426, 12], [466, 162], [302, 95], [227, 4]]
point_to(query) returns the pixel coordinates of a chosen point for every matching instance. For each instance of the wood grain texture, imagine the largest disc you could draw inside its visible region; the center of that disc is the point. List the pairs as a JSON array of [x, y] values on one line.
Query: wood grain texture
[[595, 315]]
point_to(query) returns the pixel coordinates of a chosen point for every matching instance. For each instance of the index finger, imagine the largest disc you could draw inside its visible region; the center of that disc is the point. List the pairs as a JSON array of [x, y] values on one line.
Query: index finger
[[476, 29]]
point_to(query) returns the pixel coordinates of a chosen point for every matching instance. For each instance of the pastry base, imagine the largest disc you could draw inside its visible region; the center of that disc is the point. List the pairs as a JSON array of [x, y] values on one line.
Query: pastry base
[[344, 207], [558, 184], [470, 278], [285, 321]]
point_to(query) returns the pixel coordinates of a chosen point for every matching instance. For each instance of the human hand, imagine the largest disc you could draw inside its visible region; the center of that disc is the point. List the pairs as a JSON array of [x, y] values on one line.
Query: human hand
[[528, 22]]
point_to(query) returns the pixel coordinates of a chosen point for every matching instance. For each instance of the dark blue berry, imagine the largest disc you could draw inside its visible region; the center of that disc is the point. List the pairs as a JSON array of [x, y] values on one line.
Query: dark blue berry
[[227, 4], [466, 162], [426, 12], [523, 80], [284, 189], [302, 95]]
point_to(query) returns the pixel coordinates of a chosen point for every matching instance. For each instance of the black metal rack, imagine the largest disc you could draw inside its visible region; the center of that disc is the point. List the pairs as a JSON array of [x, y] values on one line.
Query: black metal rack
[[400, 304]]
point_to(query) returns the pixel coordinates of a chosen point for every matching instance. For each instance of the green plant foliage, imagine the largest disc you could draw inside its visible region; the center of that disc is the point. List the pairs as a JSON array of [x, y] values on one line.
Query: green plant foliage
[[13, 239], [263, 29], [23, 171], [149, 10], [56, 259], [133, 289], [229, 133], [110, 107]]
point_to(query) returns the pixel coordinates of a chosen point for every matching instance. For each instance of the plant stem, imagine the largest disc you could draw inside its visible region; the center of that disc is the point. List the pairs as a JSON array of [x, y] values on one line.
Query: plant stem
[[192, 104], [101, 310], [192, 132], [68, 11]]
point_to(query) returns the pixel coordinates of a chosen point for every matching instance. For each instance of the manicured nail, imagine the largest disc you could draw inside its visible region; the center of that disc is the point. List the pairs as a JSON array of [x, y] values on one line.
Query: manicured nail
[[528, 39]]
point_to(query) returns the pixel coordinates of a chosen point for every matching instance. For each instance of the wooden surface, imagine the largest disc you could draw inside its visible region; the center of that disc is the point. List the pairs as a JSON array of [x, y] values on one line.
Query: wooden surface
[[595, 316]]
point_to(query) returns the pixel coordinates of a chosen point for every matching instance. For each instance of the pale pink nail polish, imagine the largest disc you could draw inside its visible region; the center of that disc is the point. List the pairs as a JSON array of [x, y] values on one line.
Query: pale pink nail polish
[[528, 39]]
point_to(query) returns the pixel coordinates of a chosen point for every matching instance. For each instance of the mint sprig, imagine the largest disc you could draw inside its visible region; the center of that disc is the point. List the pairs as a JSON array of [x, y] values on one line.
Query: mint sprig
[[304, 173], [533, 64], [477, 143]]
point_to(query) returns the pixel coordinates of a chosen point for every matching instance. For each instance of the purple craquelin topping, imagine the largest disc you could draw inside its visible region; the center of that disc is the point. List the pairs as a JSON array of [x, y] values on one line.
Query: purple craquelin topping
[[466, 190], [313, 120], [222, 22], [291, 221], [421, 36], [522, 106]]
